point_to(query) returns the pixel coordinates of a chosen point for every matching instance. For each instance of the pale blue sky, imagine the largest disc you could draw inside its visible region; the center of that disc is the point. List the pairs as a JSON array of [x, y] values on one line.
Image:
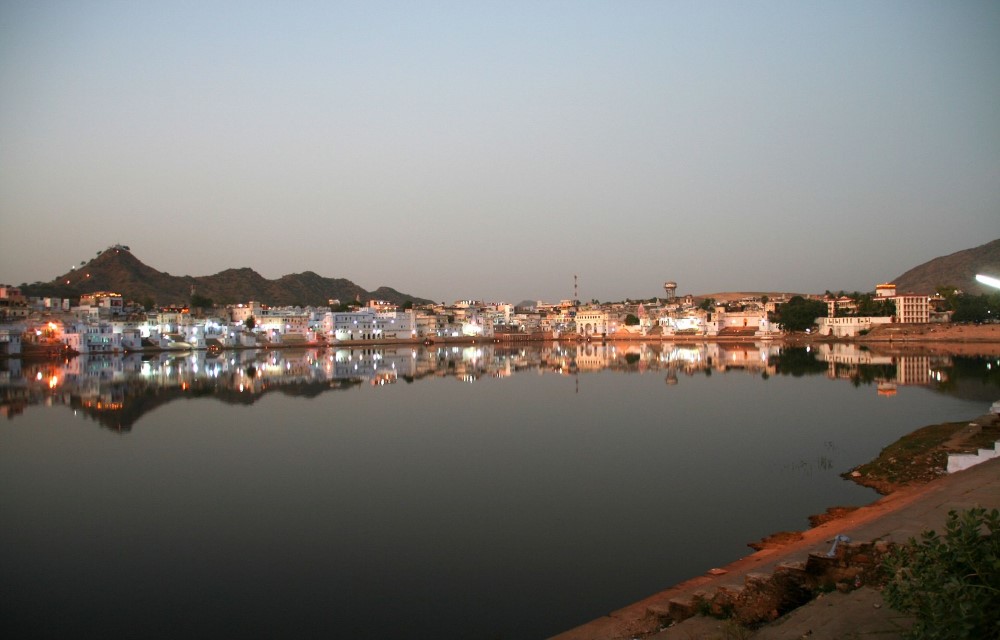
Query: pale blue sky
[[494, 149]]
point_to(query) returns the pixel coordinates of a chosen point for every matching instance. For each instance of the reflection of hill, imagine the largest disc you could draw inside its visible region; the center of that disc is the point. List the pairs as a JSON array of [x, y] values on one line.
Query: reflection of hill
[[118, 392], [140, 399]]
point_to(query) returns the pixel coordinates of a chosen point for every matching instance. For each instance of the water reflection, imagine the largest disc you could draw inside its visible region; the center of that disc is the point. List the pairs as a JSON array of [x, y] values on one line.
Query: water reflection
[[118, 390], [480, 491]]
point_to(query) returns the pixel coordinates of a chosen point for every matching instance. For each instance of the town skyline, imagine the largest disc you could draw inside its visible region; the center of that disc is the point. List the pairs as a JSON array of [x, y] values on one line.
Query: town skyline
[[497, 150], [116, 265]]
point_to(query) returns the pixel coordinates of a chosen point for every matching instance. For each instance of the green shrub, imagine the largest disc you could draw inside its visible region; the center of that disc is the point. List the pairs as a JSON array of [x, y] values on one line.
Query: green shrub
[[950, 583]]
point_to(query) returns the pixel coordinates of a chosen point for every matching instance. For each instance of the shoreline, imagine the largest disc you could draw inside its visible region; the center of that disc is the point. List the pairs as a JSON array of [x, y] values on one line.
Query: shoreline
[[954, 338], [779, 559]]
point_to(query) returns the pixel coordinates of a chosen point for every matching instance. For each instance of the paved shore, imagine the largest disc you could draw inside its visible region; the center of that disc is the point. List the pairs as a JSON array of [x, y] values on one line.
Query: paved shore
[[857, 614]]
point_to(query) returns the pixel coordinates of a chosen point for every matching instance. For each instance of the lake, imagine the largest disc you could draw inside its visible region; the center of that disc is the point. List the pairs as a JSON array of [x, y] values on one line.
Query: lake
[[446, 492]]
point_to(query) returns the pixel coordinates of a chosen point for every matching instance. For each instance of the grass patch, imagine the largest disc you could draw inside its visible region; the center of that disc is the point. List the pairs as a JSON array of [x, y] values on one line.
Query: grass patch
[[913, 459], [922, 455]]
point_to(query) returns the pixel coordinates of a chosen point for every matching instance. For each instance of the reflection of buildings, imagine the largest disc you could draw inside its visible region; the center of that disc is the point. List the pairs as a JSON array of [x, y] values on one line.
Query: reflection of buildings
[[592, 357], [850, 362], [913, 370], [118, 390]]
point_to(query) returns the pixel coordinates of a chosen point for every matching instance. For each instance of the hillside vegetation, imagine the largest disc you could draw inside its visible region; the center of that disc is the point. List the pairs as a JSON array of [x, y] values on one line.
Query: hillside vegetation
[[957, 270], [117, 269]]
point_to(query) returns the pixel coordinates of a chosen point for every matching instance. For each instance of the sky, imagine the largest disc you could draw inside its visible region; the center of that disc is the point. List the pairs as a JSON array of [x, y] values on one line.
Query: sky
[[495, 150]]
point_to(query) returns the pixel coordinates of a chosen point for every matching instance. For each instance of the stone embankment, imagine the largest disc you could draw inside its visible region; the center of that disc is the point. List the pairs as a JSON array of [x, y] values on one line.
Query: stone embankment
[[934, 332], [953, 339], [796, 589]]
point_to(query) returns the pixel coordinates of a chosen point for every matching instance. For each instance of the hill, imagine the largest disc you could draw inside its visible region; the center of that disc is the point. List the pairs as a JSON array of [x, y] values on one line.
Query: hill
[[958, 270], [117, 269]]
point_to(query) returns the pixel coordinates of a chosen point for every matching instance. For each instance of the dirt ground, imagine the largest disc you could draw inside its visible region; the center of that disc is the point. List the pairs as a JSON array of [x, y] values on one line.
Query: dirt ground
[[953, 338]]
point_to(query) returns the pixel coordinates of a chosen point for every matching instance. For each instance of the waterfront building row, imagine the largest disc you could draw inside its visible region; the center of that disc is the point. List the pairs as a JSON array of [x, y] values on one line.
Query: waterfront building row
[[103, 321]]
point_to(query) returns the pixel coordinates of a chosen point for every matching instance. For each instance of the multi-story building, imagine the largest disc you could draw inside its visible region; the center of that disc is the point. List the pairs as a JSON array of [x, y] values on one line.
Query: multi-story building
[[100, 305], [840, 306], [367, 324], [241, 312], [10, 340], [912, 308], [13, 304]]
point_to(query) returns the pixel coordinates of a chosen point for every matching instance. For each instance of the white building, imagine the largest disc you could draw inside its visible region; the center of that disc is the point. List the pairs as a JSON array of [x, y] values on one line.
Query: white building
[[367, 324], [847, 327], [93, 337], [690, 324], [593, 322], [10, 340], [912, 308]]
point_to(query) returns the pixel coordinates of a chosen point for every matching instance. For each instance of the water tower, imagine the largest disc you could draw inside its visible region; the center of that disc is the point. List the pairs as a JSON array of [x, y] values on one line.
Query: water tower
[[671, 288]]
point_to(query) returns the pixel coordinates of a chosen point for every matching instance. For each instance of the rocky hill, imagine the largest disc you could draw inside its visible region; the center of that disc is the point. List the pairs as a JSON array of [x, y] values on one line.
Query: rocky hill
[[958, 270], [117, 269]]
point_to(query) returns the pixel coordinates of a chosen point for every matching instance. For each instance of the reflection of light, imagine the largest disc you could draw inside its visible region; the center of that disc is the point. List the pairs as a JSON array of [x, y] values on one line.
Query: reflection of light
[[39, 376], [53, 382]]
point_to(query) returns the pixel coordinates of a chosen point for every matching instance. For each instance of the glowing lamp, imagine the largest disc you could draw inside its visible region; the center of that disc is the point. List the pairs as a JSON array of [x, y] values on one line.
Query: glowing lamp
[[988, 280]]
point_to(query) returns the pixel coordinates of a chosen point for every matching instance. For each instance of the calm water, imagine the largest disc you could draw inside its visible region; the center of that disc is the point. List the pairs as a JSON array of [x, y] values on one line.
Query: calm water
[[444, 493]]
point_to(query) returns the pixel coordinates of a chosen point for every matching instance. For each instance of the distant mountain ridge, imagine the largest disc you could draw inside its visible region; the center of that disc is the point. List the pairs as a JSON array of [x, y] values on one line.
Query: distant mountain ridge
[[117, 269], [958, 269]]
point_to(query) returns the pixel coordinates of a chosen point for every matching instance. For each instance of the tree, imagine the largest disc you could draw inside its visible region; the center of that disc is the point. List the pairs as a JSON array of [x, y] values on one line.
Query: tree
[[199, 301], [949, 293], [950, 583], [798, 314], [707, 304], [869, 305], [631, 320], [797, 362], [407, 305], [250, 323], [970, 308]]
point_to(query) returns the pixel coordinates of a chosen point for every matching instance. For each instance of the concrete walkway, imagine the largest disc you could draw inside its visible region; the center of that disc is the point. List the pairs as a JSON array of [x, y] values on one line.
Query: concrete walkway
[[858, 614]]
